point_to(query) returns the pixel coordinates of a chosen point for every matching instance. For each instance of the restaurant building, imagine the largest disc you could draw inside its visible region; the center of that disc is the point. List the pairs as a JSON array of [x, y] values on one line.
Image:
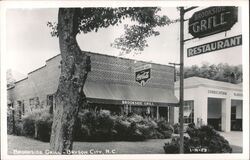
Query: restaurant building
[[212, 102], [120, 85]]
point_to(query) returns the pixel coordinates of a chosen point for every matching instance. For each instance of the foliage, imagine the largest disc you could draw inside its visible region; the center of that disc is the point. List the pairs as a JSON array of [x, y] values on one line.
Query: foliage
[[220, 72], [121, 127], [9, 121], [174, 145], [19, 128], [145, 20], [201, 140], [43, 125], [29, 126], [10, 79], [95, 127], [206, 136], [176, 127], [102, 126], [36, 124], [165, 129]]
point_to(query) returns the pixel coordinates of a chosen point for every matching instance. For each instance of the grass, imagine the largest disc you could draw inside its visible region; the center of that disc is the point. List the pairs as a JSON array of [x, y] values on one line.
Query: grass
[[152, 146]]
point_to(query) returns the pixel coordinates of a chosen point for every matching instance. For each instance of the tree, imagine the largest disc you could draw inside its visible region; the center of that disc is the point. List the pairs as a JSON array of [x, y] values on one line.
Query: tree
[[220, 72], [10, 79], [75, 64]]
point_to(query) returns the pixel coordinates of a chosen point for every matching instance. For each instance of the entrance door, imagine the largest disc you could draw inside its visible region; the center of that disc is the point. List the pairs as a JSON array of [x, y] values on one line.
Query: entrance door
[[214, 113], [164, 113]]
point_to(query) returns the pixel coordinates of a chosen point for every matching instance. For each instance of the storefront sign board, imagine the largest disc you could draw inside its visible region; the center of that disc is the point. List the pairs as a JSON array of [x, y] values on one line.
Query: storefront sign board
[[214, 46], [212, 20]]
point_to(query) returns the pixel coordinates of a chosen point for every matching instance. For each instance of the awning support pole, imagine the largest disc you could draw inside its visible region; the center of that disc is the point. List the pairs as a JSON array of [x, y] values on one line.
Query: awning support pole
[[157, 112]]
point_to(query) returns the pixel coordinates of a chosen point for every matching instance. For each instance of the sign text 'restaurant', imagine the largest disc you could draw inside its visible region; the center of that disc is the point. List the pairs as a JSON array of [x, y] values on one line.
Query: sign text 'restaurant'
[[216, 45]]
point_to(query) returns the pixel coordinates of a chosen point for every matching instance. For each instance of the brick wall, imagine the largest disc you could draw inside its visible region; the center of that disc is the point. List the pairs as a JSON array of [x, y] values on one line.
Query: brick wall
[[104, 69]]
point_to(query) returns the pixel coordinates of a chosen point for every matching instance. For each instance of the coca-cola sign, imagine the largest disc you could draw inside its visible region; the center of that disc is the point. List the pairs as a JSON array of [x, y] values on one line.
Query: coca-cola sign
[[143, 74]]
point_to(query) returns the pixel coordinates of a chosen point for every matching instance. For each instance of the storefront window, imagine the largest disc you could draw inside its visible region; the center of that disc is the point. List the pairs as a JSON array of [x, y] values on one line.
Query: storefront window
[[188, 111]]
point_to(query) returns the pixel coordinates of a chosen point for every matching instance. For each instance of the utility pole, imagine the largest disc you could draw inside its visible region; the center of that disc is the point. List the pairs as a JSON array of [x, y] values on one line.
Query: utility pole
[[174, 64], [181, 99]]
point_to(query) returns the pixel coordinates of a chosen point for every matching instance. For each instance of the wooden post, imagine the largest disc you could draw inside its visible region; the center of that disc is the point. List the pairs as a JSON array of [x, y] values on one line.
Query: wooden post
[[13, 121], [181, 78], [157, 112]]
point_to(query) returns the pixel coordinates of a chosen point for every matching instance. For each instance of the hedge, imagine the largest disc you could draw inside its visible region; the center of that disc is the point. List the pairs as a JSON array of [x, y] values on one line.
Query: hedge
[[101, 126], [36, 125]]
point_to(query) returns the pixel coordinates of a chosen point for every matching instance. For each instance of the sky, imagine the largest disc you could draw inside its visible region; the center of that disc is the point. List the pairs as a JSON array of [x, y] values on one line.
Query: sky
[[29, 44]]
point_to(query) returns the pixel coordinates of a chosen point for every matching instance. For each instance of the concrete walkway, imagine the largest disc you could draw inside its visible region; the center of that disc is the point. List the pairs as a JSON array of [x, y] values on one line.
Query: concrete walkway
[[235, 139]]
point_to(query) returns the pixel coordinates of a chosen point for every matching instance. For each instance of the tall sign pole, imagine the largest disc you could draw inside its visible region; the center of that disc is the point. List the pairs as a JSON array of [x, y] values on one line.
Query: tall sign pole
[[216, 20], [181, 99]]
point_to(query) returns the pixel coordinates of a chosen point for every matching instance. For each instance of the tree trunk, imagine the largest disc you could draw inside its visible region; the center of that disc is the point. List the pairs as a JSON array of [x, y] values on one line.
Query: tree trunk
[[69, 96]]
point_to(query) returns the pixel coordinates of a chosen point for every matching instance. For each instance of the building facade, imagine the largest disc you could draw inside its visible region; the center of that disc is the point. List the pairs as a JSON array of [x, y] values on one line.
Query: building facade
[[120, 85], [212, 102]]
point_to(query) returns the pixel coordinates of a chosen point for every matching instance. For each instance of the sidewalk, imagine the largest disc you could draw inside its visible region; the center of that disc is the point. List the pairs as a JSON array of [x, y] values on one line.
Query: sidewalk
[[235, 139]]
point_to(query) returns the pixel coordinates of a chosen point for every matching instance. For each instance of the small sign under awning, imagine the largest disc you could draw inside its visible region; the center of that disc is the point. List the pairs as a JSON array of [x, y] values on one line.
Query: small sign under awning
[[106, 93]]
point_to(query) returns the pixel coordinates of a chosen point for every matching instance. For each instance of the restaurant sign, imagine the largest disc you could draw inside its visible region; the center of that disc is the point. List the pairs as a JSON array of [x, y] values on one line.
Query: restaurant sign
[[214, 46], [137, 103], [143, 74], [212, 20]]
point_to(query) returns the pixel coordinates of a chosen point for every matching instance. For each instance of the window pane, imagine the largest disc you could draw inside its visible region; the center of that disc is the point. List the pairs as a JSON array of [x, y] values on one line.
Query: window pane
[[188, 112]]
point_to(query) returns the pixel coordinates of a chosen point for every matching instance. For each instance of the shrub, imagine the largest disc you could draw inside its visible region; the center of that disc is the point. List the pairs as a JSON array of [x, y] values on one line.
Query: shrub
[[134, 134], [171, 147], [13, 122], [43, 125], [9, 121], [95, 127], [28, 126], [121, 127], [147, 131], [36, 124], [92, 126], [135, 118], [176, 127], [19, 128], [174, 145], [104, 127], [206, 136], [200, 140], [165, 128]]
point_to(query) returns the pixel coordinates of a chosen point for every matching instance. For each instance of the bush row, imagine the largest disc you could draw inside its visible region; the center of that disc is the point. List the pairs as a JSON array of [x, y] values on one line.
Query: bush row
[[101, 126]]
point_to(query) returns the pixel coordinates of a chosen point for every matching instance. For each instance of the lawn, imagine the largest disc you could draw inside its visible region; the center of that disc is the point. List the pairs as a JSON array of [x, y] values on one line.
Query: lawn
[[152, 146]]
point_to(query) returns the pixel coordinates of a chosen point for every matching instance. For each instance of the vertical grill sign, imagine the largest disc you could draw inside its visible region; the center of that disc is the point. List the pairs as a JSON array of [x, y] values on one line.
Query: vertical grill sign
[[143, 74], [212, 20]]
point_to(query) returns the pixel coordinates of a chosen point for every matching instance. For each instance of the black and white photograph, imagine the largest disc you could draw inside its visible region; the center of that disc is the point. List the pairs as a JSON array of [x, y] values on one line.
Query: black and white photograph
[[125, 80]]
